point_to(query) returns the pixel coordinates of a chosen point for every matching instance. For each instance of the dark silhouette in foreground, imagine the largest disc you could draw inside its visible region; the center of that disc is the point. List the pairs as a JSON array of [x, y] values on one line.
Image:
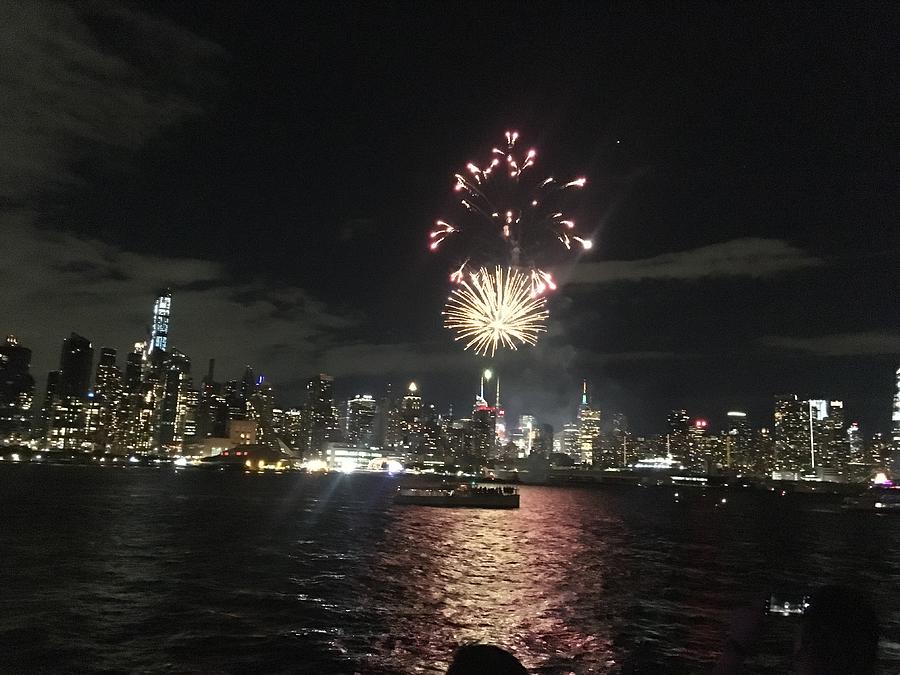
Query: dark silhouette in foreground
[[838, 635], [484, 660]]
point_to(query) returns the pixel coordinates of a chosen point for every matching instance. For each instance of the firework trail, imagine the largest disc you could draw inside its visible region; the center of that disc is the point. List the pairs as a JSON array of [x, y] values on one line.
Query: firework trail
[[511, 216]]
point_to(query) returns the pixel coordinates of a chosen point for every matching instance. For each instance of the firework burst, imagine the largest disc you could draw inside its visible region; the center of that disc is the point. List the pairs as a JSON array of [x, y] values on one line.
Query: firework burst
[[511, 215], [495, 309]]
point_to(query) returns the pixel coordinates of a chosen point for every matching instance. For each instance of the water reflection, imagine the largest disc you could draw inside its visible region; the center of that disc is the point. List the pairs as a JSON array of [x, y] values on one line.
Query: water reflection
[[149, 570], [517, 579]]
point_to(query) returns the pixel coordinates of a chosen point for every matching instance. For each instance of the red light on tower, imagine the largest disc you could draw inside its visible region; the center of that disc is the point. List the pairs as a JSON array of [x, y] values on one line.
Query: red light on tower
[[700, 424]]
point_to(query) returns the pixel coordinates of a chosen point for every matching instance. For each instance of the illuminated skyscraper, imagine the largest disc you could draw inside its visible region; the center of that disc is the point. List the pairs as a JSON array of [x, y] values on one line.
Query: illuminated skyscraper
[[792, 433], [855, 441], [175, 411], [528, 427], [107, 396], [159, 330], [135, 427], [261, 407], [361, 421], [320, 420], [895, 416], [16, 391], [739, 442], [484, 431], [588, 428], [410, 419], [570, 441], [678, 425], [830, 447], [68, 421]]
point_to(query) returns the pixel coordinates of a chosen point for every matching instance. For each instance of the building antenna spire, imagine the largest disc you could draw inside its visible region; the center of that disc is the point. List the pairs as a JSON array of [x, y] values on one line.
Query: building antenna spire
[[497, 398], [584, 399]]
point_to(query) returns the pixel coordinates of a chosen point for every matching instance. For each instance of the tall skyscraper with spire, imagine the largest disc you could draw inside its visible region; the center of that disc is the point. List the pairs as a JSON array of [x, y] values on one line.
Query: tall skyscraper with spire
[[159, 329], [588, 427]]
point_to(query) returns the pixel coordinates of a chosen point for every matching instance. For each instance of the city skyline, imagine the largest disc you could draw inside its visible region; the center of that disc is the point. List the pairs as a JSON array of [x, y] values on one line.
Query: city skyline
[[738, 251], [84, 383]]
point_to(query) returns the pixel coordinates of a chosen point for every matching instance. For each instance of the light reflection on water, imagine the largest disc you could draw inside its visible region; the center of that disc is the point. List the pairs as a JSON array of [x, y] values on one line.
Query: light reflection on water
[[503, 577], [144, 569]]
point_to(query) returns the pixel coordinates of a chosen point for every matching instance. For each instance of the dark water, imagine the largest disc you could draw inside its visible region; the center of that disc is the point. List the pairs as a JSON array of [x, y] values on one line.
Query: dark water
[[148, 570]]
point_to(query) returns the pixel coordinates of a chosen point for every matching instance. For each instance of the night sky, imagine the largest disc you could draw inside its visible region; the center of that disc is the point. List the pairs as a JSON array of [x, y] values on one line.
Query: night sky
[[280, 168]]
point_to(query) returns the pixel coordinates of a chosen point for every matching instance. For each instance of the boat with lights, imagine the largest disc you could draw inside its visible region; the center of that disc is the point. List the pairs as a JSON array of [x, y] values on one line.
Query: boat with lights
[[479, 496]]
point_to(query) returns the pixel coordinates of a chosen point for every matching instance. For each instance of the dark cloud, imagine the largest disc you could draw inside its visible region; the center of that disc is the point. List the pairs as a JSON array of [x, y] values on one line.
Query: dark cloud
[[748, 257], [67, 96], [869, 343]]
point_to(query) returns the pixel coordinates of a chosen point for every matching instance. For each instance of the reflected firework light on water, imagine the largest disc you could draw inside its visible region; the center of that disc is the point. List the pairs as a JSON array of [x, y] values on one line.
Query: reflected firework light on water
[[495, 309]]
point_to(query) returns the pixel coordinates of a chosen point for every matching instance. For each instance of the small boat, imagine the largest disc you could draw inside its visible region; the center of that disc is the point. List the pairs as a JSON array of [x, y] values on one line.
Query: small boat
[[474, 495], [878, 499]]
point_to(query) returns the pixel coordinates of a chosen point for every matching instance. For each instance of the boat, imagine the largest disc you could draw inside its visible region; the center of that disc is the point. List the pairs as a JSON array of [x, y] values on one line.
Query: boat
[[474, 495], [878, 499]]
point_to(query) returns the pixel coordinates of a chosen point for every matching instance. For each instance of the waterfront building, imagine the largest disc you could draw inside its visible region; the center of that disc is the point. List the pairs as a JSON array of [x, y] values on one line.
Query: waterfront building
[[348, 458], [410, 420], [320, 419], [830, 447], [527, 429], [432, 439], [895, 415], [238, 433], [212, 408], [618, 438], [678, 424], [107, 397], [16, 392], [791, 434], [542, 443], [75, 363], [175, 412], [858, 465], [698, 451], [738, 442], [360, 425], [484, 435], [45, 419], [569, 442], [461, 438], [235, 401], [387, 422], [261, 407], [135, 427], [292, 427], [67, 429]]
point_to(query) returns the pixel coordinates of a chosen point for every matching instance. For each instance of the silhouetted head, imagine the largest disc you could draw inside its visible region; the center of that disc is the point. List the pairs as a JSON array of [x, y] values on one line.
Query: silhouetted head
[[838, 634], [484, 660]]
